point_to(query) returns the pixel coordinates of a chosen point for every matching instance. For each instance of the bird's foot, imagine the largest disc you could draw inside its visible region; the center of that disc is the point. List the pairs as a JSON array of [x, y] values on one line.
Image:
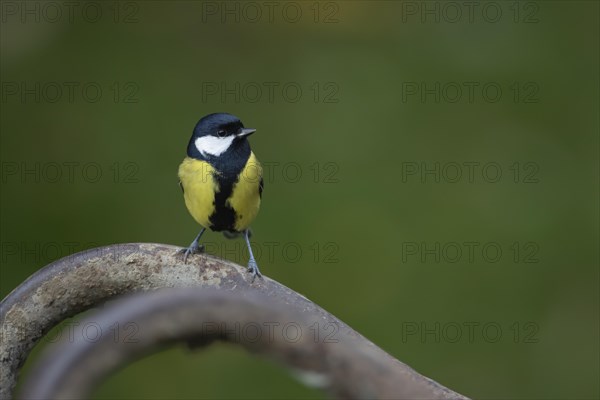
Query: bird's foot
[[253, 269], [191, 250]]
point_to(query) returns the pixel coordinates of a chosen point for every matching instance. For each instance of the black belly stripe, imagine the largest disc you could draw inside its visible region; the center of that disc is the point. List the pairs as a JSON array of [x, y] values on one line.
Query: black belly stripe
[[223, 218], [229, 166]]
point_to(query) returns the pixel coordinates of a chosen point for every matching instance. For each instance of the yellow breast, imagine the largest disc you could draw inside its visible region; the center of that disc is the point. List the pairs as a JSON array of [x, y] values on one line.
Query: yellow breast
[[200, 183], [245, 198], [199, 189]]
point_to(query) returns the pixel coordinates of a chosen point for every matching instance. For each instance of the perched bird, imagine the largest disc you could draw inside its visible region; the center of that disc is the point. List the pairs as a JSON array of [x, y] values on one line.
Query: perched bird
[[222, 180]]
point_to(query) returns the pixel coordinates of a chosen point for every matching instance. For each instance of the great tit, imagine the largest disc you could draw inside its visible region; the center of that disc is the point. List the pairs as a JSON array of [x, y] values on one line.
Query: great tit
[[221, 180]]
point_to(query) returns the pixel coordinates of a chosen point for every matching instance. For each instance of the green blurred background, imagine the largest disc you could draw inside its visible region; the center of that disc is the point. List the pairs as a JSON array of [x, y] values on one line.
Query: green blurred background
[[366, 124]]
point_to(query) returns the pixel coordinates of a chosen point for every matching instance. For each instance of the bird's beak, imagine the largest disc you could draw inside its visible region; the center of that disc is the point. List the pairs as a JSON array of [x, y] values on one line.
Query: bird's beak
[[246, 132]]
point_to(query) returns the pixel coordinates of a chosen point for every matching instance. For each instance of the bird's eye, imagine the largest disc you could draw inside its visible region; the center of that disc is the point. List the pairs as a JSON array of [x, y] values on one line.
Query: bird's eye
[[221, 133]]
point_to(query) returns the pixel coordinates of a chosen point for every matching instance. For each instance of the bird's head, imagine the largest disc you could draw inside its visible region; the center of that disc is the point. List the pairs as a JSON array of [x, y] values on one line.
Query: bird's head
[[217, 133]]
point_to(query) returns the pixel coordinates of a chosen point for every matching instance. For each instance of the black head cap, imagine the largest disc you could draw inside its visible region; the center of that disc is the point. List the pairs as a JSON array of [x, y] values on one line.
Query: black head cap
[[223, 127], [218, 124]]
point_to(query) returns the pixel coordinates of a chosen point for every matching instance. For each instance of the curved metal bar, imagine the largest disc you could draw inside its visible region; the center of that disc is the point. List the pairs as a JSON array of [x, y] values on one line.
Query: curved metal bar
[[87, 279]]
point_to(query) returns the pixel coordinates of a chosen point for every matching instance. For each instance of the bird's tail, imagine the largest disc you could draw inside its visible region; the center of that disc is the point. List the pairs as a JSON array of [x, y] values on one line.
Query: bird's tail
[[235, 235]]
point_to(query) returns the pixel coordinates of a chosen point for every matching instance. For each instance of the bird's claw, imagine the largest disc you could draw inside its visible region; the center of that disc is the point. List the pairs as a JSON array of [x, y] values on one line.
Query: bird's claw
[[191, 250], [253, 269]]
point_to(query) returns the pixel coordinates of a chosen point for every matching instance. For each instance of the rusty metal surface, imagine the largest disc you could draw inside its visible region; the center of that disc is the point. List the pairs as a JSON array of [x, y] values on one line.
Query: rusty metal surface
[[87, 279]]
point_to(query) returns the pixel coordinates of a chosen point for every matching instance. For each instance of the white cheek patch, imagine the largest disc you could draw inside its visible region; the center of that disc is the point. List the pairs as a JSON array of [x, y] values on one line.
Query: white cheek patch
[[215, 146]]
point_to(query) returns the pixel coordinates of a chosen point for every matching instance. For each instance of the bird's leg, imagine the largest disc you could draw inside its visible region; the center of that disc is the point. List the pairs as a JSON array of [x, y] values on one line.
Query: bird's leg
[[252, 265], [194, 247]]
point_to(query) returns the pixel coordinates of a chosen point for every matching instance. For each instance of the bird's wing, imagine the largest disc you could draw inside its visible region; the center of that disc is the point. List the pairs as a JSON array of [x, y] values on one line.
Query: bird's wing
[[261, 186], [181, 186]]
